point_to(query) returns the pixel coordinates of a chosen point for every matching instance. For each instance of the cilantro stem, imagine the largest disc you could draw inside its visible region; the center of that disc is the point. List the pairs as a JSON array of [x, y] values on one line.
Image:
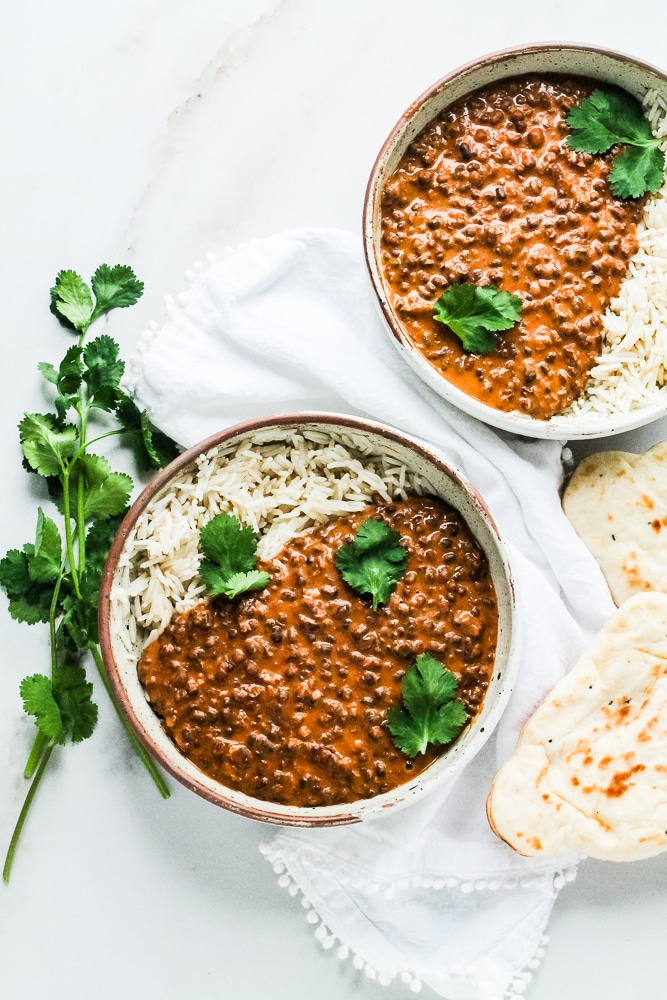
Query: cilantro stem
[[146, 759], [81, 497], [40, 740], [68, 531], [36, 752], [13, 843], [101, 437], [52, 623]]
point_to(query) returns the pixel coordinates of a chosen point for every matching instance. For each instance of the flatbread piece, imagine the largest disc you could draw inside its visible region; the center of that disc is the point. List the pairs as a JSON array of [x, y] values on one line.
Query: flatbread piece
[[589, 773], [617, 503]]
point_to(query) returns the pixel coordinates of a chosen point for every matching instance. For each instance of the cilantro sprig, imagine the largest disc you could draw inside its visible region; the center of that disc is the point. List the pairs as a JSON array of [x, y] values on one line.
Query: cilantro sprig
[[62, 706], [610, 118], [230, 553], [374, 562], [56, 578], [474, 313], [431, 713]]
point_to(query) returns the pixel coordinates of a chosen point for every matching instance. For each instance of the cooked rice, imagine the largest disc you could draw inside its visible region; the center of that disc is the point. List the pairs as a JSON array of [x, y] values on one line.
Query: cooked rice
[[630, 372], [279, 488]]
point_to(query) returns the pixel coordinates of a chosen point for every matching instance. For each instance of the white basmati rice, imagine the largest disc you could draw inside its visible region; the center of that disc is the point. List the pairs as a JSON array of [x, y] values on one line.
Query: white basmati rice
[[630, 372], [279, 488]]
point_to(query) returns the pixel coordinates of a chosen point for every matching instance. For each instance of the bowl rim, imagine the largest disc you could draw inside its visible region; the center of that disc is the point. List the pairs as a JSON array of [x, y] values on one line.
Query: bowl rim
[[583, 427], [317, 816]]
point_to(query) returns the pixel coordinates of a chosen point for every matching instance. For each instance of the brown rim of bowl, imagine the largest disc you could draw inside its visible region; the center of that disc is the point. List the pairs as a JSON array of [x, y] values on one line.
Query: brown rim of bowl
[[158, 482], [487, 60]]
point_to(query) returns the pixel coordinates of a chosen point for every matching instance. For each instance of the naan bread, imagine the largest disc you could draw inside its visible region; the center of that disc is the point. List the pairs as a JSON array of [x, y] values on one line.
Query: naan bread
[[589, 773], [617, 503]]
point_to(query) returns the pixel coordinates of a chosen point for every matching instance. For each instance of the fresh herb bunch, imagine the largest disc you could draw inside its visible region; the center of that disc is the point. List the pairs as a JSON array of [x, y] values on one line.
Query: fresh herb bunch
[[56, 579], [474, 313], [613, 117], [431, 713], [374, 562], [230, 551]]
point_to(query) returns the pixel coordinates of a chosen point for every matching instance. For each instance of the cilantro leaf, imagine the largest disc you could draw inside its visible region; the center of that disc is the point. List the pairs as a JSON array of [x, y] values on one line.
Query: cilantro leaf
[[62, 707], [46, 443], [67, 379], [38, 700], [71, 299], [70, 371], [44, 564], [636, 171], [48, 371], [98, 542], [374, 562], [73, 695], [239, 583], [473, 314], [14, 573], [28, 577], [103, 372], [29, 601], [230, 552], [78, 626], [431, 713], [106, 493], [152, 449], [159, 447], [79, 619], [606, 118], [613, 117], [115, 288]]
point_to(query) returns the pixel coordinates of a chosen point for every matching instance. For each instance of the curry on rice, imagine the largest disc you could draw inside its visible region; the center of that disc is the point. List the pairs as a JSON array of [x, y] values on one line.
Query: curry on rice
[[490, 193], [282, 694]]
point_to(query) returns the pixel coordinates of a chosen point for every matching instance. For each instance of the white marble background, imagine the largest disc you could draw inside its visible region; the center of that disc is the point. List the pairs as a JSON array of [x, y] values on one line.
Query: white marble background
[[149, 132]]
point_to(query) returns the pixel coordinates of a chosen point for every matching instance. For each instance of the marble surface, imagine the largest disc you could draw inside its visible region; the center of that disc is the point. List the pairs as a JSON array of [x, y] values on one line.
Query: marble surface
[[150, 132]]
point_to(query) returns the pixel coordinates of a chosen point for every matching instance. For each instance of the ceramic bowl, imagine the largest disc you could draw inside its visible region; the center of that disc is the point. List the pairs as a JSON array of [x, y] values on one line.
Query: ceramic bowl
[[600, 64], [445, 482]]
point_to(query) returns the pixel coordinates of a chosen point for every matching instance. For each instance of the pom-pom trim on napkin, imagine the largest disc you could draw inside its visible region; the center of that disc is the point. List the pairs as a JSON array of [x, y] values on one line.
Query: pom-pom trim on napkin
[[384, 977]]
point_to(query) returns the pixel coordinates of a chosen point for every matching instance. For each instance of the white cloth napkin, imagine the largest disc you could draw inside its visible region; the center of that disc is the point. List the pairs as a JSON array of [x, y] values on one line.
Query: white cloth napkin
[[429, 894]]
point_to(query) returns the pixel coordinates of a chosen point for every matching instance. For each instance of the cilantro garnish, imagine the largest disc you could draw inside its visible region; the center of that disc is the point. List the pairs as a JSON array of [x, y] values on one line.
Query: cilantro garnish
[[374, 562], [475, 313], [432, 713], [63, 706], [230, 553], [56, 579], [613, 117]]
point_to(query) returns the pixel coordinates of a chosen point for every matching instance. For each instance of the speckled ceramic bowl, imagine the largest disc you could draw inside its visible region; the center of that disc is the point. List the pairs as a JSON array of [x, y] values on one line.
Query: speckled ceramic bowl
[[553, 57], [446, 482]]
